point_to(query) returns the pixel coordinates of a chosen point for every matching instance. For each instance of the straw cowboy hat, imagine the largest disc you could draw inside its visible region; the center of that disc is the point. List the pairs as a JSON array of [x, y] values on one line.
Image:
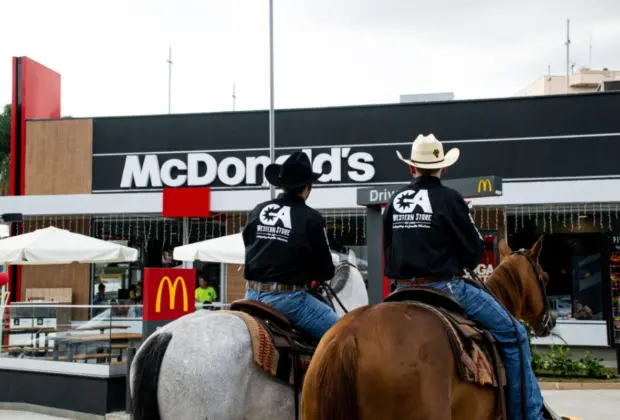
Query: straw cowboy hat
[[295, 172], [427, 153]]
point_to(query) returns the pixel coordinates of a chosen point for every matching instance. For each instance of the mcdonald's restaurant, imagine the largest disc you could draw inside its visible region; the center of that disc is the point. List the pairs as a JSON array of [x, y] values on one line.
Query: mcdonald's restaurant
[[528, 166]]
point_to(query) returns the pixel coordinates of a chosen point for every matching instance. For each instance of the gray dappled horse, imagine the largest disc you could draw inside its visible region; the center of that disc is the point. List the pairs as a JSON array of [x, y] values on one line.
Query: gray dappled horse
[[201, 366]]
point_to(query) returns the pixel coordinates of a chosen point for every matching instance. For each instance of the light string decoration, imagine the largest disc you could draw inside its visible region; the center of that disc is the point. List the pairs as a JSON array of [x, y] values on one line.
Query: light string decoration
[[346, 227], [558, 218]]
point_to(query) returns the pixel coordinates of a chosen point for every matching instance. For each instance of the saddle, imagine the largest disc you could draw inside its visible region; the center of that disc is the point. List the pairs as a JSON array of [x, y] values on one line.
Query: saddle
[[476, 357], [279, 349]]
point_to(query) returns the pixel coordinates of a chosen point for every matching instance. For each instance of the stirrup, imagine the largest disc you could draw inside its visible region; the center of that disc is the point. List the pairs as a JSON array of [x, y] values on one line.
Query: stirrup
[[548, 413]]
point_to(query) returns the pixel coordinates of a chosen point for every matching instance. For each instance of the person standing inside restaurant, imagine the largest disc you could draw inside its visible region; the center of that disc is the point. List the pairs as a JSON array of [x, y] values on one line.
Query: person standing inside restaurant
[[205, 293]]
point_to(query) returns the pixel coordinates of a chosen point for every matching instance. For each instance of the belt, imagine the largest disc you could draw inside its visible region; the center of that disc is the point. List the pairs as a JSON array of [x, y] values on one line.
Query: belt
[[422, 281], [272, 287]]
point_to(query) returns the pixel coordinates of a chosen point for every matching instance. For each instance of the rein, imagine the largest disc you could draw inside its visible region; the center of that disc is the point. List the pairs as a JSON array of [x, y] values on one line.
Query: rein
[[547, 318], [545, 324], [327, 288]]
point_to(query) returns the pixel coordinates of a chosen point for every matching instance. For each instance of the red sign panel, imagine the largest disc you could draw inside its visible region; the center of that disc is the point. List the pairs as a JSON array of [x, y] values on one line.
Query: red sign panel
[[36, 94], [490, 257], [168, 293], [187, 202]]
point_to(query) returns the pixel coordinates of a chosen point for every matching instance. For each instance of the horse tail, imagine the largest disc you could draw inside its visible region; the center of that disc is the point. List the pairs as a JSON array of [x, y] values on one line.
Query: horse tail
[[337, 380], [147, 366]]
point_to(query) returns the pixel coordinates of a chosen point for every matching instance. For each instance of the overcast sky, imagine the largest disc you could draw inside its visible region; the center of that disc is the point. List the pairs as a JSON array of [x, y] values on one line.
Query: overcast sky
[[112, 53]]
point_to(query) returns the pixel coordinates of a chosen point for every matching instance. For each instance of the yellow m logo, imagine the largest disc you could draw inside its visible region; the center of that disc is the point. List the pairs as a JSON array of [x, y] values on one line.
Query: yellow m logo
[[172, 288], [483, 184]]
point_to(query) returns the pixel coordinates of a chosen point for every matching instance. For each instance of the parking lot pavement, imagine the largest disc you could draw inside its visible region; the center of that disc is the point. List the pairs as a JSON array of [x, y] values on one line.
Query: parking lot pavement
[[585, 404], [23, 415]]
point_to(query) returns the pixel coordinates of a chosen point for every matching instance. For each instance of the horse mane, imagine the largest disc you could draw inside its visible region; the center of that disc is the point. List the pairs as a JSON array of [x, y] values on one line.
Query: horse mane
[[506, 284], [341, 277]]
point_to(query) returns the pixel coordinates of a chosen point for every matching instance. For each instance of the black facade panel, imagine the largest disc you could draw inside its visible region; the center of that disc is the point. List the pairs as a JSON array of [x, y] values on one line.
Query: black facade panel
[[76, 393], [540, 137]]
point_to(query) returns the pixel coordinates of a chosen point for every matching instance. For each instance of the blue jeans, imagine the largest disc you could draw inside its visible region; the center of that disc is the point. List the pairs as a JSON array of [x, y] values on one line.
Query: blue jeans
[[304, 311], [483, 308]]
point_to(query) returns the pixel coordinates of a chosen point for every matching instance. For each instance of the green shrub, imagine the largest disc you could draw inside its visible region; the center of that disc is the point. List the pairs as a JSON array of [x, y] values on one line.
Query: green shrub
[[593, 367], [557, 362]]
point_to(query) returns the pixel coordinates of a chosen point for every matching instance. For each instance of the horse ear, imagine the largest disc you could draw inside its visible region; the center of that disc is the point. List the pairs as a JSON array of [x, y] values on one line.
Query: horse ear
[[352, 258], [504, 249], [537, 248]]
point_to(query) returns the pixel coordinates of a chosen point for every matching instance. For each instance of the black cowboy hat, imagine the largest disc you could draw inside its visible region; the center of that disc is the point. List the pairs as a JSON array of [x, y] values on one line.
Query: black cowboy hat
[[295, 172]]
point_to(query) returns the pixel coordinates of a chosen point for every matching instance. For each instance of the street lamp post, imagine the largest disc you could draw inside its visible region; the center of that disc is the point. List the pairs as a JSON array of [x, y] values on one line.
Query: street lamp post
[[272, 151]]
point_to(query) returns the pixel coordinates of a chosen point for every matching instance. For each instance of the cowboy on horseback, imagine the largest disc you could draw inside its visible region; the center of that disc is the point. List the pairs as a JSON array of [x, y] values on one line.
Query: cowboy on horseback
[[286, 249], [429, 239]]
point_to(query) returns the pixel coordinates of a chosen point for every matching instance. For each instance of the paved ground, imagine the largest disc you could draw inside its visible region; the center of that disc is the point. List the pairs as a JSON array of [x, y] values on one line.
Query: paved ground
[[586, 405], [21, 415]]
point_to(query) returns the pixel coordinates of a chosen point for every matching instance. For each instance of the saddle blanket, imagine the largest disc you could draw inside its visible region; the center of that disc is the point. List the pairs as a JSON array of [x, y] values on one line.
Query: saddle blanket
[[266, 356], [473, 360]]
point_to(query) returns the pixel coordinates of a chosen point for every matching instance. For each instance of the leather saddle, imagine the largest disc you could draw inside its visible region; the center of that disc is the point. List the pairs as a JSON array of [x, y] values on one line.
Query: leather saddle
[[430, 296], [476, 356], [295, 349]]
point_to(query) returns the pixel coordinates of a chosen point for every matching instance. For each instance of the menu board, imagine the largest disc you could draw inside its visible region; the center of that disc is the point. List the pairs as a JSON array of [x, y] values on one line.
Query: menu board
[[614, 274]]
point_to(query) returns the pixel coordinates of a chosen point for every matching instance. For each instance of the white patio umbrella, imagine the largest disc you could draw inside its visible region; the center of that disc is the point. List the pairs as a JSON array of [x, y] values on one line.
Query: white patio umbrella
[[59, 246], [225, 249]]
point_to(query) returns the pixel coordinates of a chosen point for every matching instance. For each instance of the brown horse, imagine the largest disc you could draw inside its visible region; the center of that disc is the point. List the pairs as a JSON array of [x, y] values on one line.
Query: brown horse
[[393, 361]]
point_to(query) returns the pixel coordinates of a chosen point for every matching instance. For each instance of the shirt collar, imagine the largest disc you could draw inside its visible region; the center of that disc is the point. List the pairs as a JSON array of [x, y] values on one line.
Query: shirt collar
[[426, 180], [290, 197]]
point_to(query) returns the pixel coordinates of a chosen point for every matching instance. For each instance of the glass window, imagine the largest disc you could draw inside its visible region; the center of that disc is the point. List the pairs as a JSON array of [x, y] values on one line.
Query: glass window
[[576, 265]]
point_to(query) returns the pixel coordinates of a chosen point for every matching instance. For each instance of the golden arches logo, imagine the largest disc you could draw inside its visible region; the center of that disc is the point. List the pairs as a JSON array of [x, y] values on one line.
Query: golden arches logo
[[483, 184], [172, 289]]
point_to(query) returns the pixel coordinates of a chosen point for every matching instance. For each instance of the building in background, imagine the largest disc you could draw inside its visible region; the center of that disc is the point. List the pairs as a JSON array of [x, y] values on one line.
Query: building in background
[[107, 177], [584, 81], [427, 97]]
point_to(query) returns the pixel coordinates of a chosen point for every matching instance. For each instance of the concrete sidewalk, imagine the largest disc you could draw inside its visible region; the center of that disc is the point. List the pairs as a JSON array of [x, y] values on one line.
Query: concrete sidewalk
[[584, 404], [23, 415]]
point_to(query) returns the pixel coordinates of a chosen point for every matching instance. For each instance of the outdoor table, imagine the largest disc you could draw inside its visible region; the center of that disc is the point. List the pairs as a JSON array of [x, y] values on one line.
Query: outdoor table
[[48, 330], [72, 342]]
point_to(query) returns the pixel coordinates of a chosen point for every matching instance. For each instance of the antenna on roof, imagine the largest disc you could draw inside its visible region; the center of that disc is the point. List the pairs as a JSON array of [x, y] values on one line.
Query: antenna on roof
[[590, 58], [234, 97], [567, 43], [169, 61]]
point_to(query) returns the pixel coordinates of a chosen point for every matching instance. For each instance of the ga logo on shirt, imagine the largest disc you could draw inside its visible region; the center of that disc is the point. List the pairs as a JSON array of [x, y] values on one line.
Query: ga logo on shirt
[[407, 201], [405, 205], [273, 213], [269, 228]]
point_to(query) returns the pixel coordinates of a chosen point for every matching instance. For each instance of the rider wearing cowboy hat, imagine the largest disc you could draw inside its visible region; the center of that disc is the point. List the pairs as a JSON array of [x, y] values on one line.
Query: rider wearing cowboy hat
[[429, 238], [286, 248]]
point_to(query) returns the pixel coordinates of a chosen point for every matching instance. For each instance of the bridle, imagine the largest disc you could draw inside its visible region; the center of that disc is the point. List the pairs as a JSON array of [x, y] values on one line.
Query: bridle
[[546, 323], [324, 290]]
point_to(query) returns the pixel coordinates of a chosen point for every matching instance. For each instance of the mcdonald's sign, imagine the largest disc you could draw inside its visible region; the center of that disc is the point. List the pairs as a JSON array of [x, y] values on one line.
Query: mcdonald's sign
[[483, 184], [172, 290], [168, 293]]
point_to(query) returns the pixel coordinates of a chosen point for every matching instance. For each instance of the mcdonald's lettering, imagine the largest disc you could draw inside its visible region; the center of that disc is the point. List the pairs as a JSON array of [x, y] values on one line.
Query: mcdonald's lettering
[[483, 184], [172, 289]]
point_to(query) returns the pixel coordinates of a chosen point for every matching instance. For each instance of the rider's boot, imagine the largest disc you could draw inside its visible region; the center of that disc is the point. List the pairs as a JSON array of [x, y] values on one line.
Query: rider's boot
[[549, 414]]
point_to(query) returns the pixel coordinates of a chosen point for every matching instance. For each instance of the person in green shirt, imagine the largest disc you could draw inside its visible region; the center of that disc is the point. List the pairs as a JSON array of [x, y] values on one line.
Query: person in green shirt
[[205, 293]]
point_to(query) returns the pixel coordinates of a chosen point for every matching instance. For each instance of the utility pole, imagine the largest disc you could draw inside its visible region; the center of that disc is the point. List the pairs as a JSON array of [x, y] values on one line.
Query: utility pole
[[567, 53], [272, 140], [169, 61]]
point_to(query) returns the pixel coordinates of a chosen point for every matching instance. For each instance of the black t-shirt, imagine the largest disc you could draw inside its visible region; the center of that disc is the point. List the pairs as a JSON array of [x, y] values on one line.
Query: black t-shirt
[[286, 242], [428, 231]]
